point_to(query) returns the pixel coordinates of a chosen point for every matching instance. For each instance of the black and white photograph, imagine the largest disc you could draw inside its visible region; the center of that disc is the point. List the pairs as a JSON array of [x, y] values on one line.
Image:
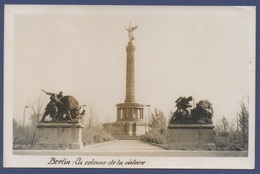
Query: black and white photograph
[[147, 87]]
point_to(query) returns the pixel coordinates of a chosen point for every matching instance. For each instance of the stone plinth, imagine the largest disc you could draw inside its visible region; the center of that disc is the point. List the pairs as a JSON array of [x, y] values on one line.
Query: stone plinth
[[53, 135], [130, 119], [191, 136], [131, 128]]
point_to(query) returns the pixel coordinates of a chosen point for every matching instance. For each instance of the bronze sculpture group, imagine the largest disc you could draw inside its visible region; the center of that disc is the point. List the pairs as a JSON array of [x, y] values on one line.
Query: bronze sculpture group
[[201, 114], [62, 108]]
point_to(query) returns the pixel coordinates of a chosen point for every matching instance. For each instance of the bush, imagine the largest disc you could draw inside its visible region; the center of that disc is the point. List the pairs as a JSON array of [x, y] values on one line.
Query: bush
[[95, 134], [156, 137], [22, 136], [232, 140], [158, 128]]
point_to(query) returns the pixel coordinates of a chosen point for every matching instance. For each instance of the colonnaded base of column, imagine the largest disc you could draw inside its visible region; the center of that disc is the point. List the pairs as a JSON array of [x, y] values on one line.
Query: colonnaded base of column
[[53, 135], [191, 136], [127, 130], [130, 122]]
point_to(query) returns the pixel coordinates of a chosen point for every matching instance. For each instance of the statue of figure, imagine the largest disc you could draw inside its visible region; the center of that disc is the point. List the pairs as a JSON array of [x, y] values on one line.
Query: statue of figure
[[51, 108], [203, 112], [62, 108], [182, 113], [69, 110], [182, 103], [60, 95], [130, 30]]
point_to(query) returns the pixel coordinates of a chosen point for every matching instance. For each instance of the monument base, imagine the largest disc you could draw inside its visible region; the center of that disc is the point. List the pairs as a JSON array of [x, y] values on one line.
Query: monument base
[[53, 135], [127, 130], [191, 136]]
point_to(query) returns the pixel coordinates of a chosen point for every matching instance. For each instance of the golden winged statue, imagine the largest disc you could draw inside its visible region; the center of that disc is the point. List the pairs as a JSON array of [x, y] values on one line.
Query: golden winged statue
[[130, 30]]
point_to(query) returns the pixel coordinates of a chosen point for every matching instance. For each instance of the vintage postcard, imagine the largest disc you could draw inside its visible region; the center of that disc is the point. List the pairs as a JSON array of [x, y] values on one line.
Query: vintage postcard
[[159, 87]]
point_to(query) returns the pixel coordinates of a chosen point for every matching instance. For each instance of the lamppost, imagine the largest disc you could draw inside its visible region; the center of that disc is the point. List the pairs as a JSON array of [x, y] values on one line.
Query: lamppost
[[24, 114], [147, 120]]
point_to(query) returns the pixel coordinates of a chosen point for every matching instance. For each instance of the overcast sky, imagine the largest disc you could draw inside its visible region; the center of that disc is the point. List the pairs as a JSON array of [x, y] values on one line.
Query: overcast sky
[[204, 52]]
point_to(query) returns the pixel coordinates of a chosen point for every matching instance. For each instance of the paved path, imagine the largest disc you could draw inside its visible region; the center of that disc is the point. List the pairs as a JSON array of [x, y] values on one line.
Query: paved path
[[130, 148], [121, 146]]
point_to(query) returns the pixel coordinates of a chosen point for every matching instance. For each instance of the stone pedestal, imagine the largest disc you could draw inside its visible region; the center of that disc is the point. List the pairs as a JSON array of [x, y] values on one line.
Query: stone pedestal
[[191, 136], [53, 135]]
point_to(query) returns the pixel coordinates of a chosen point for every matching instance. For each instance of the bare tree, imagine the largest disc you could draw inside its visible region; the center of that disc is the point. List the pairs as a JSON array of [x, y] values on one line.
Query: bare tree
[[243, 122], [37, 108], [91, 117], [93, 131], [225, 124]]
